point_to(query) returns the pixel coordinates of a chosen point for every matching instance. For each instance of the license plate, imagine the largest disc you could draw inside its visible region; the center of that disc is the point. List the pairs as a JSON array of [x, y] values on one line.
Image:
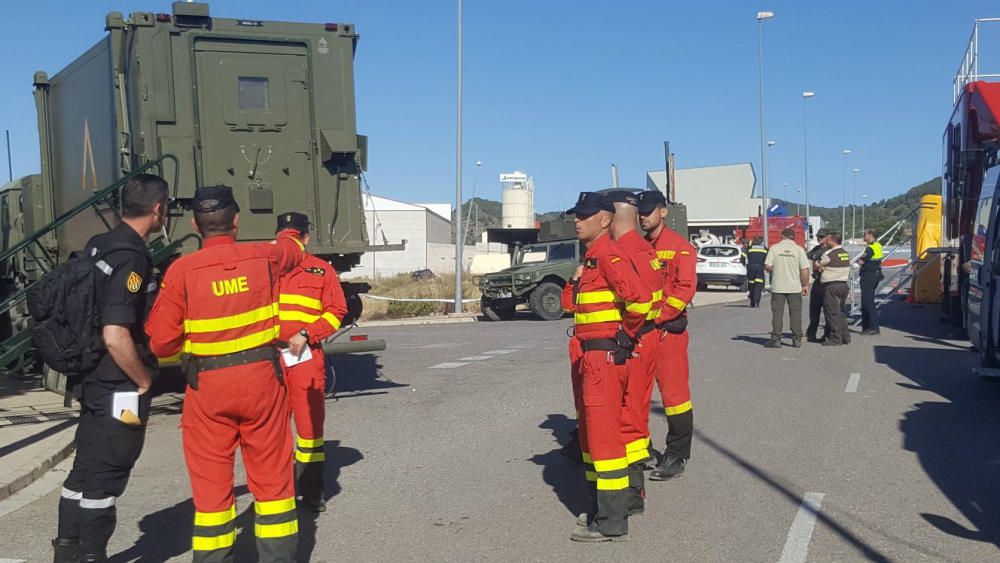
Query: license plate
[[717, 264], [504, 294]]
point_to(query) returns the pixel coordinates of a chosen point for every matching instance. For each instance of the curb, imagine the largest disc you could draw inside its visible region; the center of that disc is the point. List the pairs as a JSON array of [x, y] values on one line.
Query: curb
[[40, 464], [442, 319]]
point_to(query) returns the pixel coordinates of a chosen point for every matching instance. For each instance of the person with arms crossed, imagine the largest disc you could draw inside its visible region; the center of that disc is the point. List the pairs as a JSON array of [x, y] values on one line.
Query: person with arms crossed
[[789, 268]]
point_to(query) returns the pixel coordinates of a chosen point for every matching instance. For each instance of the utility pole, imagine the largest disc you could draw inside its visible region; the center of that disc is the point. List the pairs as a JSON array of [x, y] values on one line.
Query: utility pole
[[459, 234], [10, 169], [761, 16]]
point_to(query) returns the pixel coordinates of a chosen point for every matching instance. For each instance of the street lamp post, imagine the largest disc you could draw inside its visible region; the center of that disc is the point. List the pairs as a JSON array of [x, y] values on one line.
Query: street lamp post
[[805, 157], [854, 204], [761, 16], [798, 205], [459, 233], [843, 202], [863, 205], [770, 145]]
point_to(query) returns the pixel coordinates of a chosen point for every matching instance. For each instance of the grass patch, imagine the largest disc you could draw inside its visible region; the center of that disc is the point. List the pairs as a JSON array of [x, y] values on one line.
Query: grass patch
[[403, 286]]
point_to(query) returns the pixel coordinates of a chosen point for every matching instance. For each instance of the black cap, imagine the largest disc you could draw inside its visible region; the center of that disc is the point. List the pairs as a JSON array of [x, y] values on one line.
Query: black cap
[[293, 220], [649, 200], [213, 198], [822, 232], [621, 196], [589, 203]]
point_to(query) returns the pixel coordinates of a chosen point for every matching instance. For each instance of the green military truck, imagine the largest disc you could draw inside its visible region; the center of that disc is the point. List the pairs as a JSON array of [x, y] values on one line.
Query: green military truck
[[537, 277], [266, 107]]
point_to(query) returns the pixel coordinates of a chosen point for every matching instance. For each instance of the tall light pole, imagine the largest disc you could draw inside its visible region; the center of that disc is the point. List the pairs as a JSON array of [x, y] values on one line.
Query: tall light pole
[[843, 202], [784, 191], [459, 233], [770, 145], [472, 203], [854, 204], [863, 205], [798, 204], [805, 157], [761, 16]]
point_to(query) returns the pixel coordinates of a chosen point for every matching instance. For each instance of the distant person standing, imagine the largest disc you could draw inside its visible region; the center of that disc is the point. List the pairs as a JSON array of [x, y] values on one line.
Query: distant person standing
[[756, 255], [871, 275], [835, 266], [816, 293], [789, 268]]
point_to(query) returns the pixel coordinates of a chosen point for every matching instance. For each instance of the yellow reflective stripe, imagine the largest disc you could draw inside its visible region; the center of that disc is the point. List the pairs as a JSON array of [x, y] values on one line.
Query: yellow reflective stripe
[[764, 250], [617, 484], [169, 359], [598, 317], [591, 297], [658, 295], [232, 346], [653, 315], [679, 409], [282, 530], [333, 320], [297, 316], [300, 300], [633, 457], [586, 456], [304, 457], [198, 326], [309, 442], [591, 476], [637, 445], [676, 303], [604, 465], [665, 254], [215, 518], [212, 543], [271, 507], [641, 308]]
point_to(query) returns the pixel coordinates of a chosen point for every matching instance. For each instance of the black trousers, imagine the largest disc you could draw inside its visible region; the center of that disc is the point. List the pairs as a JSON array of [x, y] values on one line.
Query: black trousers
[[755, 285], [834, 297], [869, 315], [106, 451], [815, 309]]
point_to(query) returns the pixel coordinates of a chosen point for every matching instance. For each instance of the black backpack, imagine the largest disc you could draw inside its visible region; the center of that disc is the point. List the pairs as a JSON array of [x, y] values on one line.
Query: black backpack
[[63, 304]]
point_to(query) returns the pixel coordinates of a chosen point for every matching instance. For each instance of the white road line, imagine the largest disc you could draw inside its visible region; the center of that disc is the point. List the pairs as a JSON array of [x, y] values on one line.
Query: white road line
[[474, 358], [13, 561], [448, 365], [498, 352], [852, 383], [797, 545], [48, 482]]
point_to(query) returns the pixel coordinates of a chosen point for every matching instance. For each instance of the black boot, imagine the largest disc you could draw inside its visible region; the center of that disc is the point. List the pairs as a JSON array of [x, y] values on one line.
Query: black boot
[[99, 557], [66, 550], [670, 467]]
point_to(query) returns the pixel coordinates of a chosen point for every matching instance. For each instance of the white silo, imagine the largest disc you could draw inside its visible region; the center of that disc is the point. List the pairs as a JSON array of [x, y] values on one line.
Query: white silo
[[518, 201]]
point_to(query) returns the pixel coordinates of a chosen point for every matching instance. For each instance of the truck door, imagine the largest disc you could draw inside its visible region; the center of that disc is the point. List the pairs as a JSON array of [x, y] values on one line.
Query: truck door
[[255, 128], [979, 270], [989, 272]]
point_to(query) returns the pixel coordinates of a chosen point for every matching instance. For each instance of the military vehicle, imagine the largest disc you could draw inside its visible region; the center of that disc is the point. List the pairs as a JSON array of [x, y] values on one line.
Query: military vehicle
[[537, 277], [265, 107]]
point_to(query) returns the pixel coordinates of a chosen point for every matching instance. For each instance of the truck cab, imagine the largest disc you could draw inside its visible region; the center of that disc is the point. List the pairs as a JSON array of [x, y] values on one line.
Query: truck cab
[[983, 305]]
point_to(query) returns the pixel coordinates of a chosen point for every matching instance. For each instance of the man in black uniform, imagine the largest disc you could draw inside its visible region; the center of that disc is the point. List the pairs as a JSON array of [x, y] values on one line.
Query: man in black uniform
[[816, 292], [871, 275], [110, 434], [756, 254]]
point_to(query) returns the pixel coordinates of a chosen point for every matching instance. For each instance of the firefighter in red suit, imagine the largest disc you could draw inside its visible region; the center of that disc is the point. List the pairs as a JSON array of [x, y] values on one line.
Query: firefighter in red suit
[[641, 368], [311, 306], [218, 308], [679, 258], [610, 305]]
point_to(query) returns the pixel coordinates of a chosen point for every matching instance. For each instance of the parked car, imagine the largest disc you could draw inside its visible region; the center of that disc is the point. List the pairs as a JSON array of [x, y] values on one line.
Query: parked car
[[721, 264]]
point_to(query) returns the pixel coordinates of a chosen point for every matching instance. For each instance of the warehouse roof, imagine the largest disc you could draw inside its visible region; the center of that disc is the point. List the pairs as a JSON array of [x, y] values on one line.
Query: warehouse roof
[[713, 194], [378, 203]]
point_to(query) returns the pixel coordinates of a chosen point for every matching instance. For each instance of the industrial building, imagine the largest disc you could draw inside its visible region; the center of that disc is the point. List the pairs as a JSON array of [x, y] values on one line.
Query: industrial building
[[426, 228], [718, 198]]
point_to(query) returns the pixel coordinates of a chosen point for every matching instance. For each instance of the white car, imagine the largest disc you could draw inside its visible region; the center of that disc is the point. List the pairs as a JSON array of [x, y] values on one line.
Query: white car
[[721, 264]]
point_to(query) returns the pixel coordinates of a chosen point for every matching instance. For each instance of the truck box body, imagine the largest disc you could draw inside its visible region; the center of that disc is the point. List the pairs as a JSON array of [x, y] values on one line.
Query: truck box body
[[774, 227], [264, 107]]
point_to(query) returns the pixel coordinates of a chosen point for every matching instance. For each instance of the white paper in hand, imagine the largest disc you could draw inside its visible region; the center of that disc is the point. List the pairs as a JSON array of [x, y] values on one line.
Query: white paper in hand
[[290, 359]]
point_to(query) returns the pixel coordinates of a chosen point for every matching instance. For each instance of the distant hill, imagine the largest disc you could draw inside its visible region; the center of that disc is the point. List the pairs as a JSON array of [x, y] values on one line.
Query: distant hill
[[879, 215]]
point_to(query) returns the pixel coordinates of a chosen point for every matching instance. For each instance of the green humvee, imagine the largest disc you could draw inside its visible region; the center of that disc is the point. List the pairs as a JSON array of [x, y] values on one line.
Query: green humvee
[[537, 277]]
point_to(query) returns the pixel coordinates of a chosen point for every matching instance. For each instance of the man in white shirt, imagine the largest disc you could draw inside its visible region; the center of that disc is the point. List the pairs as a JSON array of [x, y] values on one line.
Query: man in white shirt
[[789, 268]]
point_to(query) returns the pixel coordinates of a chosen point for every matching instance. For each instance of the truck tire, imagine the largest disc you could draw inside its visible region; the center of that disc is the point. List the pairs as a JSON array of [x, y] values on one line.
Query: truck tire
[[497, 309], [546, 301]]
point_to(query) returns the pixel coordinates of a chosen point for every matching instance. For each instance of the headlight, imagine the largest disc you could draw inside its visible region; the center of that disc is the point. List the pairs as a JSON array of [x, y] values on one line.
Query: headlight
[[523, 277]]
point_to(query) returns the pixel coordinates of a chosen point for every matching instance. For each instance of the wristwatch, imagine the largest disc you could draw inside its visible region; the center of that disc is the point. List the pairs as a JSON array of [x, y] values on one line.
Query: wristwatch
[[304, 333]]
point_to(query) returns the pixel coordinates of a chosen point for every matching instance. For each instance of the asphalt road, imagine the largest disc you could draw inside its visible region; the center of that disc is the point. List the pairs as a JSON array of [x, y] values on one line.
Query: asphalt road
[[460, 462]]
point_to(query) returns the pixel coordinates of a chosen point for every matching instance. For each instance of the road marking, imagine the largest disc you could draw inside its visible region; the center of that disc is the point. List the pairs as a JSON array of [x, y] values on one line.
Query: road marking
[[797, 545], [498, 352], [13, 561], [474, 358], [852, 383], [448, 365]]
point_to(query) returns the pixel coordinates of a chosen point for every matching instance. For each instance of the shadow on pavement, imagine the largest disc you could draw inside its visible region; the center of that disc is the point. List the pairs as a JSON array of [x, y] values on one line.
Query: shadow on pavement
[[953, 433], [337, 457], [753, 339], [564, 476], [352, 373]]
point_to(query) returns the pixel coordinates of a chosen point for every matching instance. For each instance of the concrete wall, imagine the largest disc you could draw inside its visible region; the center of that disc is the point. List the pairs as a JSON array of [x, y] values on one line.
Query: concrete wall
[[441, 257]]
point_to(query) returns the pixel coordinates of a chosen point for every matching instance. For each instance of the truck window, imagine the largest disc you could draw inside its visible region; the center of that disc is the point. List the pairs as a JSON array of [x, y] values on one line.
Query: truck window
[[562, 251], [533, 254], [253, 93]]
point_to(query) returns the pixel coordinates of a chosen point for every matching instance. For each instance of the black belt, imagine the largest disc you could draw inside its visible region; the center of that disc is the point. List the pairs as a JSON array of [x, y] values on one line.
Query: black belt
[[254, 355], [647, 327], [605, 344]]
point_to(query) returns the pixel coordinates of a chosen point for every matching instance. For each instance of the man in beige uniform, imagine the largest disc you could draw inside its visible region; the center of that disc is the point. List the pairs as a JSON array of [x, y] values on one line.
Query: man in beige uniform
[[789, 269], [835, 268]]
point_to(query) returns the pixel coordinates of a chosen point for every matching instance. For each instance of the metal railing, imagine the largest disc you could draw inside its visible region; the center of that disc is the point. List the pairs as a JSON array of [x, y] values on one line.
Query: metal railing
[[968, 69]]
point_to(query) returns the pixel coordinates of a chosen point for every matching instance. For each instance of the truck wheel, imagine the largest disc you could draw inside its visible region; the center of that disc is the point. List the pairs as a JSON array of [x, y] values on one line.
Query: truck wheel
[[497, 309], [546, 302]]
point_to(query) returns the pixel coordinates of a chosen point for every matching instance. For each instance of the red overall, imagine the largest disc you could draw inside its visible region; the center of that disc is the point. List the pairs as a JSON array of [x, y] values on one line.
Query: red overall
[[608, 297], [680, 259], [311, 298], [218, 301]]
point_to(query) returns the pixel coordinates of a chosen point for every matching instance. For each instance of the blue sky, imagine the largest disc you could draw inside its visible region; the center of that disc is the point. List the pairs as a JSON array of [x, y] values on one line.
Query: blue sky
[[561, 89]]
